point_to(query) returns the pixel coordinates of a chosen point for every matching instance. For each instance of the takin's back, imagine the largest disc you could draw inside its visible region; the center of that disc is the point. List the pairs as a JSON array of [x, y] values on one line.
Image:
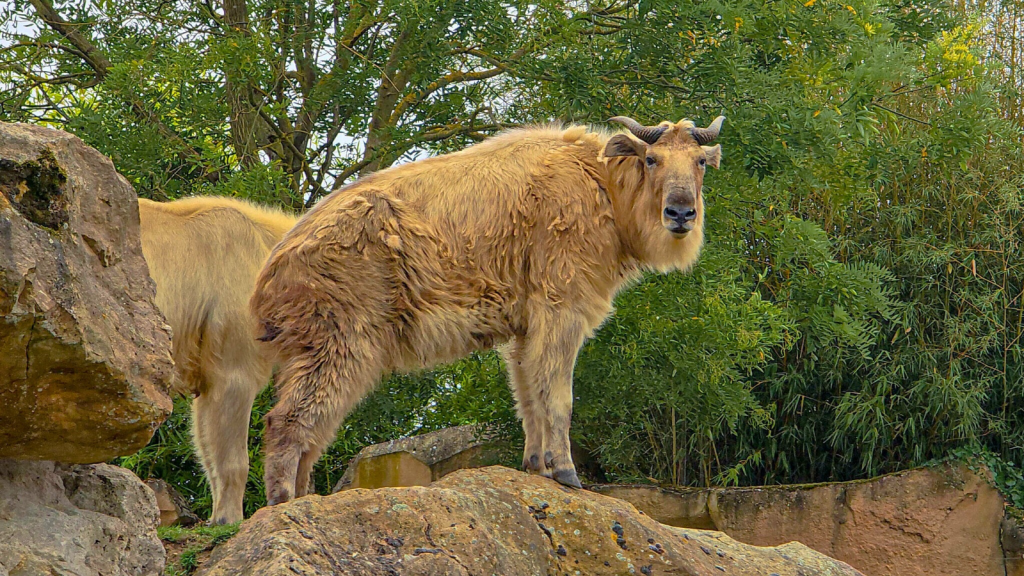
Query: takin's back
[[492, 186], [450, 245], [204, 254], [529, 193]]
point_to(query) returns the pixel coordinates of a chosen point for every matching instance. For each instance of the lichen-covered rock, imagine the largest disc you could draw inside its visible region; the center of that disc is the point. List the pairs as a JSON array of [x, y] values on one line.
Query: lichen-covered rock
[[1011, 537], [84, 353], [490, 521], [76, 520]]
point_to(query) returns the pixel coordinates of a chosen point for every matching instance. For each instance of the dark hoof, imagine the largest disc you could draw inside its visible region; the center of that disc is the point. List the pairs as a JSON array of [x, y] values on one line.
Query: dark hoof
[[567, 477]]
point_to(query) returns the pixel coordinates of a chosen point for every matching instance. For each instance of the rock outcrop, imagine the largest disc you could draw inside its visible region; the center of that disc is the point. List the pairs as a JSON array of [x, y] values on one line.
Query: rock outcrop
[[929, 522], [490, 521], [76, 520], [420, 460], [85, 360]]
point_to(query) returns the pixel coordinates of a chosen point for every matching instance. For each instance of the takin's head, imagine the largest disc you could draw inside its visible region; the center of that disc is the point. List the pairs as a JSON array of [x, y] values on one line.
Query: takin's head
[[660, 172]]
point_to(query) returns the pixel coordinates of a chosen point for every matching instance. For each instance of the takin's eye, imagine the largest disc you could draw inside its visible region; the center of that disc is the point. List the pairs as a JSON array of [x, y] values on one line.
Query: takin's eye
[[703, 162], [651, 161]]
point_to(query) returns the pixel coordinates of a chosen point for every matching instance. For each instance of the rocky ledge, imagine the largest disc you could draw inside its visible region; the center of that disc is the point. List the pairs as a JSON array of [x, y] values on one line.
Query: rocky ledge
[[491, 521], [76, 520]]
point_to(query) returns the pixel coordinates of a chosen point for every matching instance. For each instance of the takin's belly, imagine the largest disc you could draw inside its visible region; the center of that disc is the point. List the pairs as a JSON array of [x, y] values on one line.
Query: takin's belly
[[438, 335]]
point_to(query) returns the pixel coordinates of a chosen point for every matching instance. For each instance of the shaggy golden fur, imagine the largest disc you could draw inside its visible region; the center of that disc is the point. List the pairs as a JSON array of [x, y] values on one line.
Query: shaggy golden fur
[[204, 255], [521, 242]]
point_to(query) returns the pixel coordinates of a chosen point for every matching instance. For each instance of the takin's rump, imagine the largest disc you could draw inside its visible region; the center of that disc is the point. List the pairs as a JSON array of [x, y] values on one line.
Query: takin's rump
[[521, 241]]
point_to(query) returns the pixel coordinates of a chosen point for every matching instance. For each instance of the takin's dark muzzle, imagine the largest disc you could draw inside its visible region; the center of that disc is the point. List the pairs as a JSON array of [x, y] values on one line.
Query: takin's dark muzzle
[[680, 214]]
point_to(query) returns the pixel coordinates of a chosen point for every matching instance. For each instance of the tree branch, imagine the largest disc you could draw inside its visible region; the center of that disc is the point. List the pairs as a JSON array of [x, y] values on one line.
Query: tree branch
[[430, 135], [900, 114], [297, 156], [93, 57], [414, 98], [392, 83], [101, 65]]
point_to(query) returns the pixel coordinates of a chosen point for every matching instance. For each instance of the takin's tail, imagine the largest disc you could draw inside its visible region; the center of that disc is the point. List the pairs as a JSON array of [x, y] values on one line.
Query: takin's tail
[[269, 332]]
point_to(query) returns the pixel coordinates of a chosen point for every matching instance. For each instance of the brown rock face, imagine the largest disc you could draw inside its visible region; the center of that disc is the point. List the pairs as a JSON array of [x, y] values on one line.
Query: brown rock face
[[490, 521], [941, 521], [84, 354]]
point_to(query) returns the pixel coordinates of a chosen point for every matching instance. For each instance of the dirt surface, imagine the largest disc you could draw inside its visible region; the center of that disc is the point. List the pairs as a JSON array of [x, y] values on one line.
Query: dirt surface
[[187, 556], [188, 549]]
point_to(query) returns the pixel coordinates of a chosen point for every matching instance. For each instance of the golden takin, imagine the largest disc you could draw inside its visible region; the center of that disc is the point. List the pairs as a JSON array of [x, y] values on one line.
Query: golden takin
[[204, 255], [520, 242]]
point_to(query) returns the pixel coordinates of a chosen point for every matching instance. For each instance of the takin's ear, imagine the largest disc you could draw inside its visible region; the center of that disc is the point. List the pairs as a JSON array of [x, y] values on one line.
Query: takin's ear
[[624, 145], [714, 154]]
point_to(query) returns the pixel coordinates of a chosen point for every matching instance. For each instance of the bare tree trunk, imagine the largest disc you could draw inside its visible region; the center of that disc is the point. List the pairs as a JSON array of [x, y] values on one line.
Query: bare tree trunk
[[244, 117], [392, 83]]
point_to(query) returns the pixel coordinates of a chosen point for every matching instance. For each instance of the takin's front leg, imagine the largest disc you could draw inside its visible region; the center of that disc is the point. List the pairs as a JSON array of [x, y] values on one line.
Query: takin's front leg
[[530, 409], [304, 479], [547, 359]]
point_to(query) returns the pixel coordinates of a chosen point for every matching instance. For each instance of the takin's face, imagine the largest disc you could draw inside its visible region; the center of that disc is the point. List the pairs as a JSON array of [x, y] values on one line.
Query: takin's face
[[673, 161]]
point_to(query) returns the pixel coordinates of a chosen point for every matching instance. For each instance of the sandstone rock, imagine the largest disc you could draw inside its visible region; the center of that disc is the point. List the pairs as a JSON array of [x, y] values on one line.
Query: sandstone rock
[[490, 521], [84, 354], [76, 520], [930, 521], [419, 460], [174, 509]]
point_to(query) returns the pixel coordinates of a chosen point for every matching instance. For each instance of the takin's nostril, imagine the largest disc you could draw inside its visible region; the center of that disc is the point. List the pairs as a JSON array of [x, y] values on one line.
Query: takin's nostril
[[672, 213], [689, 214]]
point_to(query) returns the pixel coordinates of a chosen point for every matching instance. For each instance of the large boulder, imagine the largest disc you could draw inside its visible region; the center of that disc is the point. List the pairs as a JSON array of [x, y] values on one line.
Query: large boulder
[[76, 520], [490, 521], [944, 520], [85, 363]]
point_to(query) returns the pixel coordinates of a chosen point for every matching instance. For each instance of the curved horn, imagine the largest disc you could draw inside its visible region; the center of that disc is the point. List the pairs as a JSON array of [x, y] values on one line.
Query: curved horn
[[649, 134], [705, 135]]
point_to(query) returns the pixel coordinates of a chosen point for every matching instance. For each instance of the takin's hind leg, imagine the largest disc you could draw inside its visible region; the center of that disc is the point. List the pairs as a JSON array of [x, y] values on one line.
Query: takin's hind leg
[[530, 409], [220, 427], [304, 477], [316, 390]]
